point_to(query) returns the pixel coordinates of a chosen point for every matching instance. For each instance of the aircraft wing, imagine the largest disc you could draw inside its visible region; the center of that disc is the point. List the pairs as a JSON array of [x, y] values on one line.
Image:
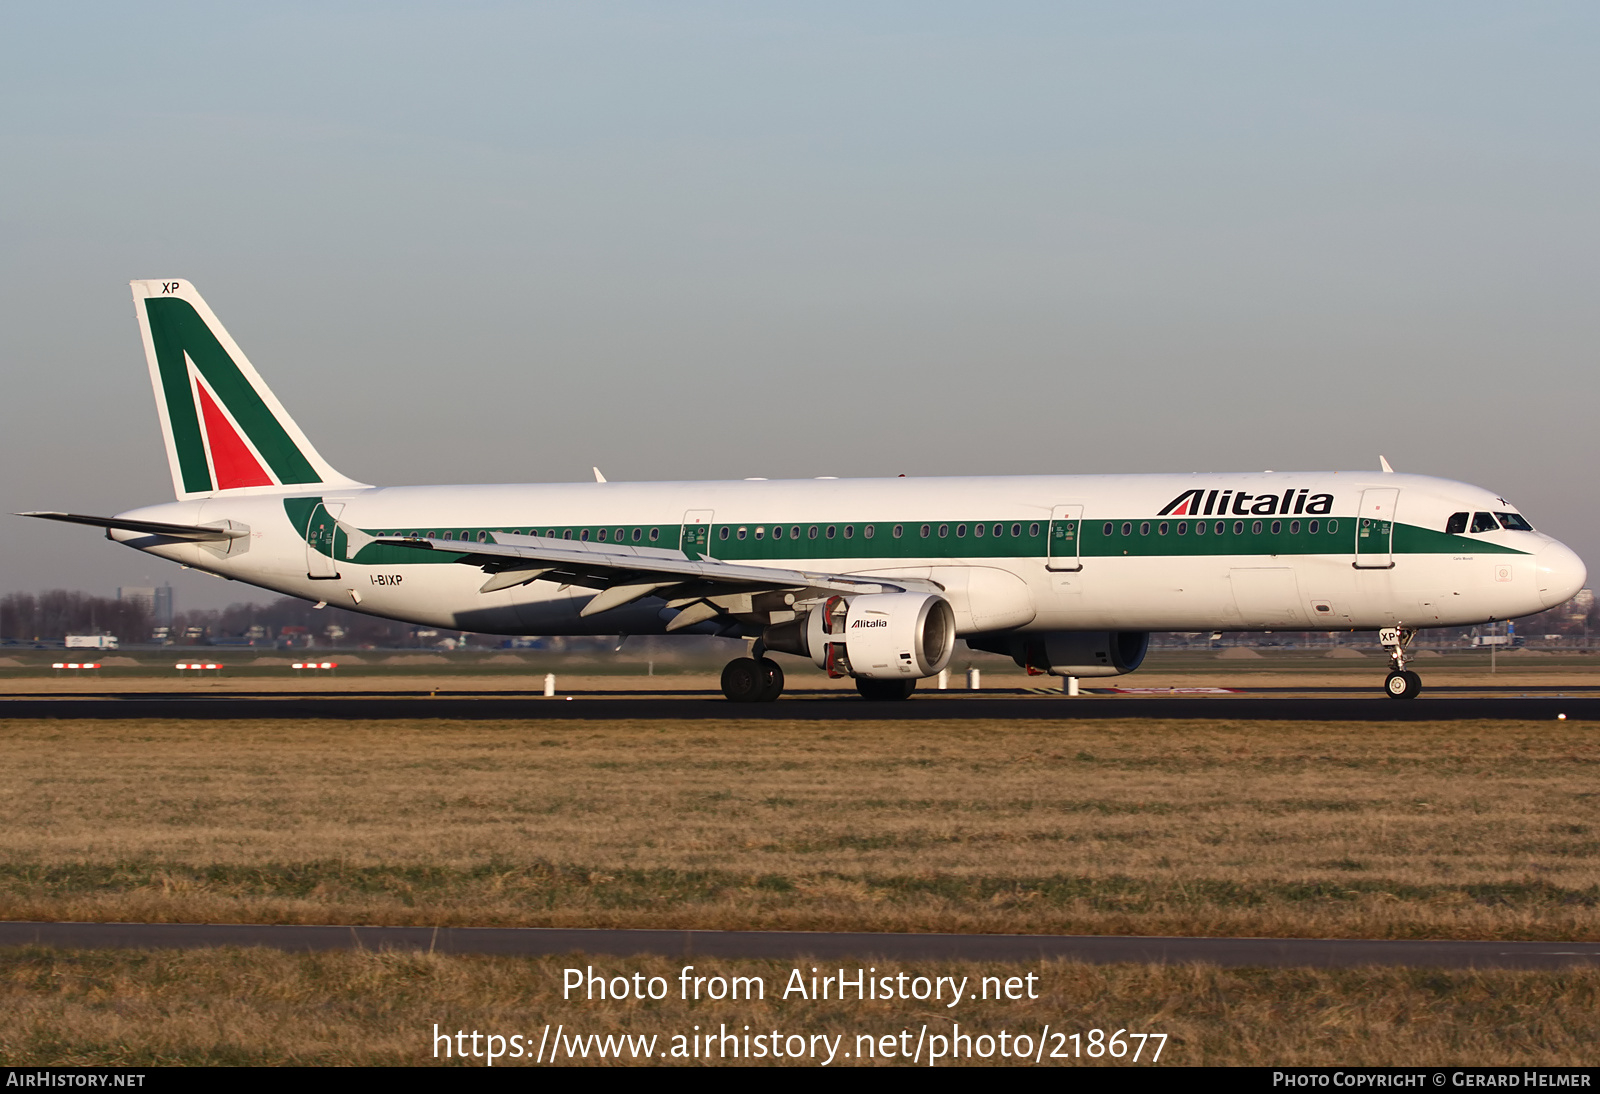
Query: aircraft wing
[[703, 588]]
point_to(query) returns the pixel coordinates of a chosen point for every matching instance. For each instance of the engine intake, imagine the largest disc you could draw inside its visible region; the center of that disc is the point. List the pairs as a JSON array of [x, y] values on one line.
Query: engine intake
[[1070, 653], [878, 636]]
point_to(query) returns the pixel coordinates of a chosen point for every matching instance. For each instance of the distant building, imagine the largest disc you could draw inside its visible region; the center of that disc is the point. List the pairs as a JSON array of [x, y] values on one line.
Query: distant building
[[156, 600], [1578, 608]]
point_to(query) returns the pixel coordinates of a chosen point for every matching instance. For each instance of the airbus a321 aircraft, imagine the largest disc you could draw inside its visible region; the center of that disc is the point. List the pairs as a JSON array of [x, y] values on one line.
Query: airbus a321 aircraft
[[873, 579]]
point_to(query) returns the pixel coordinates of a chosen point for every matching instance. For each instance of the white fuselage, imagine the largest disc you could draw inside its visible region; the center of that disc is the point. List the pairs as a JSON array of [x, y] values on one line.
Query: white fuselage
[[1247, 556]]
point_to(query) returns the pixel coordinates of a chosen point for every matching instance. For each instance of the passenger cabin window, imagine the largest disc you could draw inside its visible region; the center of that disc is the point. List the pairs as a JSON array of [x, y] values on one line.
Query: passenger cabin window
[[655, 534], [899, 530], [1515, 521], [1033, 529], [1484, 522], [1456, 524], [602, 536], [1106, 531]]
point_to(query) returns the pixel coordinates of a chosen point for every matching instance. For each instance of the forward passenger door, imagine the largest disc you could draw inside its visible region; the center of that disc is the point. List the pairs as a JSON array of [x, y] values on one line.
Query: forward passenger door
[[1375, 529]]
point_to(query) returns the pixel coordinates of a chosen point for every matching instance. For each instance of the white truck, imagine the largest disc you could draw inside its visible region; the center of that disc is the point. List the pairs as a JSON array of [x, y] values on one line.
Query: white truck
[[91, 641]]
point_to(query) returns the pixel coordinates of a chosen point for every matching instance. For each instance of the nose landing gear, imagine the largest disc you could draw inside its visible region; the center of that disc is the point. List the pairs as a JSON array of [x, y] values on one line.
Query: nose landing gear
[[752, 680], [1401, 683]]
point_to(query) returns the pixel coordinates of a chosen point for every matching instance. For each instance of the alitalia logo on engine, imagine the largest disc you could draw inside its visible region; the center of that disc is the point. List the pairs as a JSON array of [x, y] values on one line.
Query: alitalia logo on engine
[[869, 623], [1206, 503]]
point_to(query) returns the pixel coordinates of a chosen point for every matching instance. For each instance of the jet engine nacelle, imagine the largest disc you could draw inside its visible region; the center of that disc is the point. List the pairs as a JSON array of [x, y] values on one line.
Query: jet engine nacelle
[[879, 636], [1070, 653]]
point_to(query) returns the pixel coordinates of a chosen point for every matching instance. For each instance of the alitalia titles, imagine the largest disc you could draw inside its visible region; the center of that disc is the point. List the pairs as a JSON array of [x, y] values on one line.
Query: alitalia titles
[[1205, 503]]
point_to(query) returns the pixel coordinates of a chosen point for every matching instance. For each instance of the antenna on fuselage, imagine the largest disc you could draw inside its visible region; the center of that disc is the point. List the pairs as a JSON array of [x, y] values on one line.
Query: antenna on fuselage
[[1384, 463]]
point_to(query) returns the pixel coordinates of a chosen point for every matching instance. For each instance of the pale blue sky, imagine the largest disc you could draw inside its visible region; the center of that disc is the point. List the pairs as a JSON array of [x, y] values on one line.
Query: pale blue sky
[[480, 242]]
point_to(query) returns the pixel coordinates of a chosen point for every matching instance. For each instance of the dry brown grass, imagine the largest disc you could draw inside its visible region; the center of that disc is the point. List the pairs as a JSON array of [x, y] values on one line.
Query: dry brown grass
[[1399, 830], [265, 1007]]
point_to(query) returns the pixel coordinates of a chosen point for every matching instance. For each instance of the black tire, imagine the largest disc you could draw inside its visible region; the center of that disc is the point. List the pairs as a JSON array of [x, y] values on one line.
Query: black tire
[[885, 691], [743, 681], [772, 677], [1402, 685]]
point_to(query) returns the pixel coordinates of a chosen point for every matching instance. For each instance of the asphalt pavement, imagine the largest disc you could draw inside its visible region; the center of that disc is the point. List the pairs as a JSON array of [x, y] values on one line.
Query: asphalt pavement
[[831, 707]]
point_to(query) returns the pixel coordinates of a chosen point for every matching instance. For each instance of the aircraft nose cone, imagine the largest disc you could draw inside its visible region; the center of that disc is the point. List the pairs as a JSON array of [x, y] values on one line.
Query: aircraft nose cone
[[1560, 573]]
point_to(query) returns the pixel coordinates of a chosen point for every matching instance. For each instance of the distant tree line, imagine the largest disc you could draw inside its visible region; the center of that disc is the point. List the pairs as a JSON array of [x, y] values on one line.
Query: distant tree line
[[60, 612]]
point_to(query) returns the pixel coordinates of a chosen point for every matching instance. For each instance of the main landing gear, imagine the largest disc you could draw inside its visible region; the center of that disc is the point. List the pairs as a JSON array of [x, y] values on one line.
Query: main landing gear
[[1401, 683], [752, 680]]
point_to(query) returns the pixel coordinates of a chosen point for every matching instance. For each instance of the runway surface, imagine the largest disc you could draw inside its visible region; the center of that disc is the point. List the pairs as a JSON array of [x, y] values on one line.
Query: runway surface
[[531, 941], [828, 708]]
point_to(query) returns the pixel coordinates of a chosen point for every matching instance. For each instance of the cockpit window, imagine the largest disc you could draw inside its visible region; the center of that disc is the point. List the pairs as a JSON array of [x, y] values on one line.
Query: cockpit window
[[1515, 521], [1484, 522], [1457, 524]]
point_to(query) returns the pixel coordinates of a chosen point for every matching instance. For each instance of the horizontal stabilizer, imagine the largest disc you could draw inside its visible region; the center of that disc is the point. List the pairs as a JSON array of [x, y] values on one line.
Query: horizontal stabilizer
[[194, 532]]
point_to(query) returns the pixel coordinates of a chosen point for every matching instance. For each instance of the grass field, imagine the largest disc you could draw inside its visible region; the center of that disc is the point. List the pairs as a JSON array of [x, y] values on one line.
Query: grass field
[[264, 1007], [1457, 830]]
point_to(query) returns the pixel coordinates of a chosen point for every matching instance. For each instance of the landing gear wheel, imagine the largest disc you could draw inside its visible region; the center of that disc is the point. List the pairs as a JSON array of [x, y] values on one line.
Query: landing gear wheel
[[743, 681], [1402, 684], [772, 677], [885, 690]]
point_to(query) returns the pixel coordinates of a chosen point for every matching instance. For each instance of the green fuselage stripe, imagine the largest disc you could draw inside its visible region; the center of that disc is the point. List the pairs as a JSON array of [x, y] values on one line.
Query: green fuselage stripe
[[846, 541]]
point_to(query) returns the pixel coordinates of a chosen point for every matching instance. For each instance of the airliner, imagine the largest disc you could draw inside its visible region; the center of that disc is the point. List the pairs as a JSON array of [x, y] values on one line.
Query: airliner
[[871, 579]]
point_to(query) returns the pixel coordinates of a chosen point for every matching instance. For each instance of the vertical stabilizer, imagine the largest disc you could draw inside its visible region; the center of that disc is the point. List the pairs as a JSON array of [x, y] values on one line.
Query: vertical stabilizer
[[224, 429]]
